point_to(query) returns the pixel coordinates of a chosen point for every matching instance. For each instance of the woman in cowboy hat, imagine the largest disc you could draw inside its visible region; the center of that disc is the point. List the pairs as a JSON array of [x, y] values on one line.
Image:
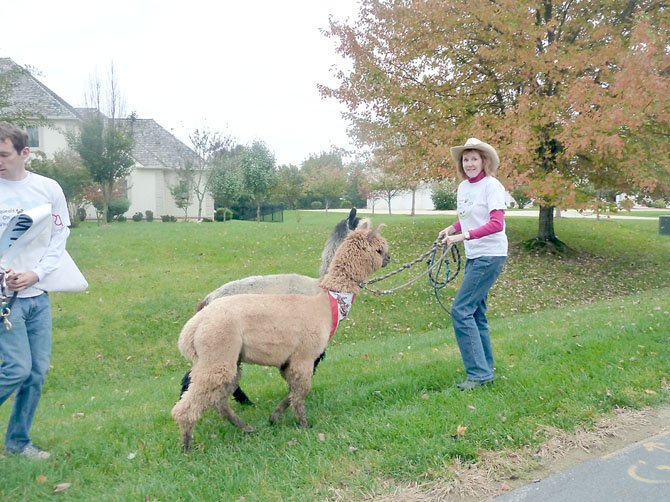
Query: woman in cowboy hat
[[481, 228]]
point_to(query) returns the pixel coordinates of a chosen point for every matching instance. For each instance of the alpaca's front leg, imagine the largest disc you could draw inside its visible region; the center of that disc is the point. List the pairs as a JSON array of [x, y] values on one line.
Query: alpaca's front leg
[[279, 410], [299, 379]]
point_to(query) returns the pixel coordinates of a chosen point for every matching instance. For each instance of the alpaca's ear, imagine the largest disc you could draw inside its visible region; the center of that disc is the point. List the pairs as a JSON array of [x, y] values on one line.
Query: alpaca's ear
[[364, 224], [374, 233]]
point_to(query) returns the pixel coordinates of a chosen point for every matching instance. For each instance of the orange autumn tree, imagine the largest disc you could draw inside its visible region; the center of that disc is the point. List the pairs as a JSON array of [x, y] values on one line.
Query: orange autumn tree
[[574, 94]]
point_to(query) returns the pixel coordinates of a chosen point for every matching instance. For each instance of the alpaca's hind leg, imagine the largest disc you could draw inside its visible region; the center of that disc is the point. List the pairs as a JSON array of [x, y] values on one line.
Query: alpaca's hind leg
[[208, 387], [223, 406]]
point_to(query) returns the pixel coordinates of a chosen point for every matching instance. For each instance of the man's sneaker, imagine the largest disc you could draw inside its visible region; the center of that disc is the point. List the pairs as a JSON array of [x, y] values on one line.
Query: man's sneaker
[[471, 384], [32, 451]]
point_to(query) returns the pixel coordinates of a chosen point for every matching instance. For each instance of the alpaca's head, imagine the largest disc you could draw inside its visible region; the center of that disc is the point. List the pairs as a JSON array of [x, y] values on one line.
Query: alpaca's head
[[361, 254]]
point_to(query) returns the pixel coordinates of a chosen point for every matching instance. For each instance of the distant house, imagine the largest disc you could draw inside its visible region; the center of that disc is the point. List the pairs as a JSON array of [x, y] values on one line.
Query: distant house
[[157, 153]]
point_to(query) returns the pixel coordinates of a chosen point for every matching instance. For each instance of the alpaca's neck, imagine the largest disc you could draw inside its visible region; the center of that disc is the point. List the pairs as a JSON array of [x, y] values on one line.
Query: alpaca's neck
[[334, 281]]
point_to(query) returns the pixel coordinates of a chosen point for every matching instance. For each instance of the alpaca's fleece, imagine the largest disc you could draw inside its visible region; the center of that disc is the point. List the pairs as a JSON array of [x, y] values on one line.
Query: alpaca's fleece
[[277, 284], [294, 284], [285, 331]]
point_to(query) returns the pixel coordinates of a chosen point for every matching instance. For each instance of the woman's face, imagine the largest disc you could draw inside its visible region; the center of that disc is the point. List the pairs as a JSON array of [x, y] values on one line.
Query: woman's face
[[472, 163]]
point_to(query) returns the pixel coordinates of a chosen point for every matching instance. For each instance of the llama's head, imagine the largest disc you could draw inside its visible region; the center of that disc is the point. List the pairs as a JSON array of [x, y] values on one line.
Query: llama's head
[[340, 232], [361, 254]]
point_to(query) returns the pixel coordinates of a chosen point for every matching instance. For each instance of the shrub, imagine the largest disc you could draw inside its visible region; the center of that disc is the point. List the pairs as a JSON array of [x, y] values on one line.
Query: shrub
[[117, 207], [659, 204], [346, 204], [138, 216], [168, 217], [317, 204], [444, 195], [121, 218], [223, 214], [207, 220], [149, 215]]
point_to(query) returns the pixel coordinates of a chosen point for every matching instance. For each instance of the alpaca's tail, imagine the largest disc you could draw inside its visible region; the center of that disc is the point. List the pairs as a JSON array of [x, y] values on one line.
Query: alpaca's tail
[[186, 338]]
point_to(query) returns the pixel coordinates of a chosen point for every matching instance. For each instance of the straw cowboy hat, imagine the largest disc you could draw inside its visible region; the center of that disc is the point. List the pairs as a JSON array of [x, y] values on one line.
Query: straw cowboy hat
[[475, 144]]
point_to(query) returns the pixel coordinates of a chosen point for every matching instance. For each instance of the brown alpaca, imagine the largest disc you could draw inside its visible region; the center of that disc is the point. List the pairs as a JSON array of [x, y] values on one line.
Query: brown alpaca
[[285, 331]]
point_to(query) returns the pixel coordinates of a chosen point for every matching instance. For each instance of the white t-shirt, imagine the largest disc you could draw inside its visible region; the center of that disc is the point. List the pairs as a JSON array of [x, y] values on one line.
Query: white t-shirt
[[32, 191], [475, 201]]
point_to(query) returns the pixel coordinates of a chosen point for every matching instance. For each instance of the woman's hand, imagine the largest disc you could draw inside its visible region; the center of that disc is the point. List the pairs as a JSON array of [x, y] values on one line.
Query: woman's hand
[[450, 240], [444, 233]]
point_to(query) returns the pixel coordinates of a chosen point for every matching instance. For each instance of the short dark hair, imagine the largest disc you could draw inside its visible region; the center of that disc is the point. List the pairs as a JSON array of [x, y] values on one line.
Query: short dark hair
[[17, 136]]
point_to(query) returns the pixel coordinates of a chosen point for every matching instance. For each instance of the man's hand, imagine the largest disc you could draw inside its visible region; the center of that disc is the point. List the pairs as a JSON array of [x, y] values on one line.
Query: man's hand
[[18, 281]]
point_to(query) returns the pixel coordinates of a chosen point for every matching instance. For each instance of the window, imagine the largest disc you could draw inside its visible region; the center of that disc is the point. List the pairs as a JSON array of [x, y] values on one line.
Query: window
[[33, 136]]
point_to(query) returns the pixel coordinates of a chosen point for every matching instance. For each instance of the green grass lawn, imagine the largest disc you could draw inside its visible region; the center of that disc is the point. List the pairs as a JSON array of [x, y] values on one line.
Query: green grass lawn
[[575, 338]]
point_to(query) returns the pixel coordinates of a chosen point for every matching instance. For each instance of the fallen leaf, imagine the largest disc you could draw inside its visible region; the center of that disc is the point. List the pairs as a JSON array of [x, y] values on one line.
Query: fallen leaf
[[460, 431], [649, 392], [322, 436], [131, 455], [505, 487], [293, 442], [353, 449], [425, 397], [61, 487], [41, 479]]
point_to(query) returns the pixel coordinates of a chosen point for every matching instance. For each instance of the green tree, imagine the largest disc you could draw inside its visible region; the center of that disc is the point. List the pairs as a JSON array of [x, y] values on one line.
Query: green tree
[[182, 192], [569, 91], [290, 185], [67, 169], [105, 142], [258, 174], [357, 187], [105, 146], [325, 177], [226, 183], [207, 145]]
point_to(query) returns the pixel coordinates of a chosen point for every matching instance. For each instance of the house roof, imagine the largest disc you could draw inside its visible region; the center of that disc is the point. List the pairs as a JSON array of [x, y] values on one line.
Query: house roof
[[157, 147], [154, 145], [30, 96]]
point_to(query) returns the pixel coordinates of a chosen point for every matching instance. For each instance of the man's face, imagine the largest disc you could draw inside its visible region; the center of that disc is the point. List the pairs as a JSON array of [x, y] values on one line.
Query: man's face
[[12, 163]]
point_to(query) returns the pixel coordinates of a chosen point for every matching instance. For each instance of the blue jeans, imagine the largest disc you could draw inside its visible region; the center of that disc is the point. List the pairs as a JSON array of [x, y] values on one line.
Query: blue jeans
[[468, 314], [25, 351]]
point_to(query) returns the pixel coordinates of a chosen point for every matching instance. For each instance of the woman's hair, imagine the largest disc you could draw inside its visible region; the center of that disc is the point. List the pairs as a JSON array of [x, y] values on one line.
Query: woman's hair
[[486, 163], [16, 136]]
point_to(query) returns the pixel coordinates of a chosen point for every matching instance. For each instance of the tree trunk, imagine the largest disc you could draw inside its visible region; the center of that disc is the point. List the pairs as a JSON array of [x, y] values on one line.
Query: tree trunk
[[413, 212], [546, 240], [545, 230]]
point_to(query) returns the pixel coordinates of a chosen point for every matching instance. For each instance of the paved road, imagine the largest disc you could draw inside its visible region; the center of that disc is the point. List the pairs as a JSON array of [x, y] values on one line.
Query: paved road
[[638, 473]]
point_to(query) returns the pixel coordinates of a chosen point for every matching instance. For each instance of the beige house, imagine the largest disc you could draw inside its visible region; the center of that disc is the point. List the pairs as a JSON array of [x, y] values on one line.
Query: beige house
[[157, 153]]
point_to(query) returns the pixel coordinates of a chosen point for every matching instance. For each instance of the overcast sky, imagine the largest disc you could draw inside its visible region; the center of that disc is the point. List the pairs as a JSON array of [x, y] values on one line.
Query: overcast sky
[[245, 68]]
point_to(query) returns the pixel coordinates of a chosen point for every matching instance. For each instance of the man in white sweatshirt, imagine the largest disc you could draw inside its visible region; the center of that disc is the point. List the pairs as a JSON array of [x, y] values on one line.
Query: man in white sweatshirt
[[25, 340]]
